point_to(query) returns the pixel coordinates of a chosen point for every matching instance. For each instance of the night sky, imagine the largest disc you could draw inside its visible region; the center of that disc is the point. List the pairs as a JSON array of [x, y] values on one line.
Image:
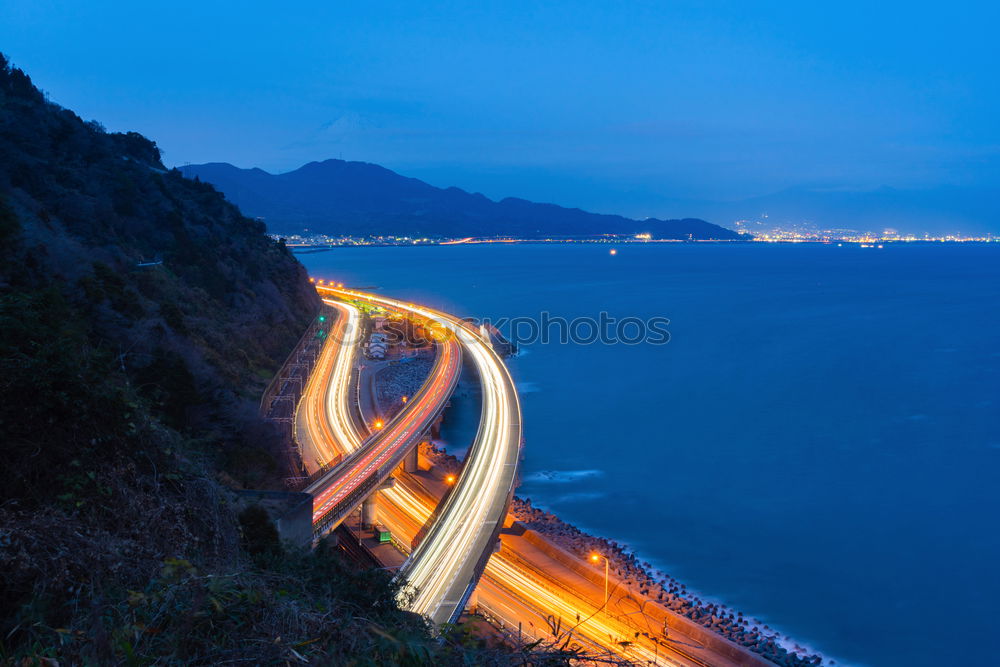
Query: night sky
[[608, 106]]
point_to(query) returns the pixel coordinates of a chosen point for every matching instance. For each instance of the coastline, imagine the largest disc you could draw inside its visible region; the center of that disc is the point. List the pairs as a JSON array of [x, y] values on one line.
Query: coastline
[[653, 583], [707, 610], [861, 242], [792, 569]]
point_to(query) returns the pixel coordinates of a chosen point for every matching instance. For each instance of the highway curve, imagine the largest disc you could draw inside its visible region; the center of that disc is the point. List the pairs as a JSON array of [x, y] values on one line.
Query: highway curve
[[445, 566], [342, 488], [322, 420]]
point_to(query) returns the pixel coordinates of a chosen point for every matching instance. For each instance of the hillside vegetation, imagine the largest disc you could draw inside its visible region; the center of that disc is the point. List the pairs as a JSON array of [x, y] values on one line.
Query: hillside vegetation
[[141, 315]]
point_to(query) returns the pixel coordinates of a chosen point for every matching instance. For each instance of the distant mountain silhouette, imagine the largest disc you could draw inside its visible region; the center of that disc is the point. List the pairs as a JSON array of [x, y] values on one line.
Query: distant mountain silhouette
[[359, 198]]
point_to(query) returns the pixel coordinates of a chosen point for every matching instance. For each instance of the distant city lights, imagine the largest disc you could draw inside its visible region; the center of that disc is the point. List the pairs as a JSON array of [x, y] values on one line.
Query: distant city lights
[[792, 234], [765, 231]]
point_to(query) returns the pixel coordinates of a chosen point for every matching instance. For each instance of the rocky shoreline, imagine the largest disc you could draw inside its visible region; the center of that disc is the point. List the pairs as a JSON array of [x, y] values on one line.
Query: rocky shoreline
[[654, 584], [668, 591]]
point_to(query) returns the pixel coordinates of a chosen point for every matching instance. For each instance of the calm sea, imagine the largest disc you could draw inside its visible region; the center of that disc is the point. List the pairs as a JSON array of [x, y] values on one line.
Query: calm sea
[[817, 445]]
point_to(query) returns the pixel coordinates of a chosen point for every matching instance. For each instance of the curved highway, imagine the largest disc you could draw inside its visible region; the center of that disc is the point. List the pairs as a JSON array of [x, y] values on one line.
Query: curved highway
[[332, 380], [322, 420], [443, 569], [342, 488]]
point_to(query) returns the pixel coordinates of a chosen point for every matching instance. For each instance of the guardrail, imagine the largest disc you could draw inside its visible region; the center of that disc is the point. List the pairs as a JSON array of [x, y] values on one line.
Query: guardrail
[[336, 513], [484, 558], [280, 398], [295, 358]]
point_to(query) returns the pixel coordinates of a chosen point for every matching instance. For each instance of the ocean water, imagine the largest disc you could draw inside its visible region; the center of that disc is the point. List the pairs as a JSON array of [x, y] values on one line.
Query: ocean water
[[818, 444]]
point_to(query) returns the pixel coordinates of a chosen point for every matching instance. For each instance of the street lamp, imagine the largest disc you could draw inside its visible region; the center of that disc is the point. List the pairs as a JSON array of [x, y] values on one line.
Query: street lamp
[[596, 558]]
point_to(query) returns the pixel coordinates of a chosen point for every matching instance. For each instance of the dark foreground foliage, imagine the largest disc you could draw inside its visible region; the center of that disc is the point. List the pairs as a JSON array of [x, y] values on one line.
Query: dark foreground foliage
[[285, 609]]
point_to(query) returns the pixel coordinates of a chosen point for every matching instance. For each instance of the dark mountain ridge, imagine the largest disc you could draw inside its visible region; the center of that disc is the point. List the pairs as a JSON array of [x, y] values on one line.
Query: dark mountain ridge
[[336, 197]]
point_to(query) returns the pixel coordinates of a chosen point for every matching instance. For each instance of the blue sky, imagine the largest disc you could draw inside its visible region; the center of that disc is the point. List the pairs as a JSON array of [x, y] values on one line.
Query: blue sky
[[611, 106]]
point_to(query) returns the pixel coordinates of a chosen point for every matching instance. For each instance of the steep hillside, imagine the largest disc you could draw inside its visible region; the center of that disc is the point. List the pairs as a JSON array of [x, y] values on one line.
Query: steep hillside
[[140, 316], [190, 299], [338, 197]]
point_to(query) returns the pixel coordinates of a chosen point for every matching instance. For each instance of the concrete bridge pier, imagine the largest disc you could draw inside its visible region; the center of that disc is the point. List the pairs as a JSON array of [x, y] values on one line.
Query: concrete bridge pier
[[368, 509], [436, 426], [411, 462], [369, 506]]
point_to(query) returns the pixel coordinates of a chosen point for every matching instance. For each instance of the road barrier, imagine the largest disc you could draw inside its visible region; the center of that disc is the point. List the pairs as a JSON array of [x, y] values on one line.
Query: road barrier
[[305, 352], [280, 398]]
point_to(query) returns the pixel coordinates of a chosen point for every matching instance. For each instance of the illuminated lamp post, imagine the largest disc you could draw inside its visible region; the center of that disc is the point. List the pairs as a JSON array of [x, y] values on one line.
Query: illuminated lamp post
[[596, 558]]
